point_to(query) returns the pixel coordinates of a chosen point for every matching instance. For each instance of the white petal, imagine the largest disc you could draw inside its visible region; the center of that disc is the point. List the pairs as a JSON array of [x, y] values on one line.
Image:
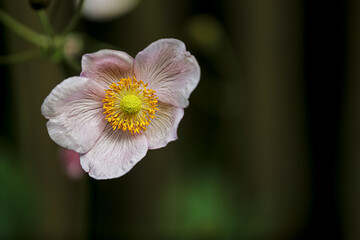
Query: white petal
[[74, 110], [163, 129], [107, 66], [114, 154], [169, 70]]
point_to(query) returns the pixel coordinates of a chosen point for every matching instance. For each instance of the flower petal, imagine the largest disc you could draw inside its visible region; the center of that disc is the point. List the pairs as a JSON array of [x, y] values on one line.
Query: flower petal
[[74, 110], [169, 70], [114, 154], [107, 66], [163, 129]]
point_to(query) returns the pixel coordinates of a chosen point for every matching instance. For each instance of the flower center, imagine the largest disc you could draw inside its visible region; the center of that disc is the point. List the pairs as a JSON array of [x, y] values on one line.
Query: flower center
[[129, 105]]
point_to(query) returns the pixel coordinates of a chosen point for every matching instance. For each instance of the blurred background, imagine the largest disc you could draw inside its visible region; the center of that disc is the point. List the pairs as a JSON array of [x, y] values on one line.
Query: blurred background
[[267, 149]]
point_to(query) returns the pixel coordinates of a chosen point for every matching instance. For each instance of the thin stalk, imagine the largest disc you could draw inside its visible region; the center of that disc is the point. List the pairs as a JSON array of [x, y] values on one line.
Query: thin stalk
[[19, 57], [23, 31], [45, 23], [75, 19]]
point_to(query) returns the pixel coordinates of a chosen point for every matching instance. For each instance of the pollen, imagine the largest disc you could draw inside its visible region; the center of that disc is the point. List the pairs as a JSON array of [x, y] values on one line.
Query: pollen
[[129, 105]]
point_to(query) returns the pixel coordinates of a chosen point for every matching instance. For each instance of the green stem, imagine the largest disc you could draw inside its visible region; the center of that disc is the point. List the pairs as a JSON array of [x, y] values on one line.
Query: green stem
[[44, 20], [75, 19], [23, 31], [19, 57]]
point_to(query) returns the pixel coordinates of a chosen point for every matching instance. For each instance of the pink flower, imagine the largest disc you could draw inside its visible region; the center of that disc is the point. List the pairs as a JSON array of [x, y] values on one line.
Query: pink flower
[[120, 107]]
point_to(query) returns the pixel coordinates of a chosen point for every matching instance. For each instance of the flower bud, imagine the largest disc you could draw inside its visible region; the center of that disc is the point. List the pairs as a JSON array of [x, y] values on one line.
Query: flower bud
[[39, 4], [106, 10], [71, 161]]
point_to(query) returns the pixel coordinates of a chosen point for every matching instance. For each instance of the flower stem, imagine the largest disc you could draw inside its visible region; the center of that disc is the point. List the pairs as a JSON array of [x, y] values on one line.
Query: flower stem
[[75, 19], [44, 20], [19, 57], [23, 31]]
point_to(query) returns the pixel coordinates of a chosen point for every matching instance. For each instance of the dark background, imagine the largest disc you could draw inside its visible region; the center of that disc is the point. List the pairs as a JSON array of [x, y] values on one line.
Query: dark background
[[267, 149]]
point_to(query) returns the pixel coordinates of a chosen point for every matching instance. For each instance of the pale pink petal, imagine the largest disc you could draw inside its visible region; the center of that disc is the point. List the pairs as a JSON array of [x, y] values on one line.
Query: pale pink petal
[[169, 70], [74, 110], [163, 129], [107, 66], [114, 154]]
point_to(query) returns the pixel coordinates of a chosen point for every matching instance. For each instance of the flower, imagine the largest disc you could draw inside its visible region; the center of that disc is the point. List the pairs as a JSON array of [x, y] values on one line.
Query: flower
[[106, 10], [119, 107]]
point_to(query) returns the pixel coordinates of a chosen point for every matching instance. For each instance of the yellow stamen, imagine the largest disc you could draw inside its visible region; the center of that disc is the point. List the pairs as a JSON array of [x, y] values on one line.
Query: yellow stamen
[[129, 105]]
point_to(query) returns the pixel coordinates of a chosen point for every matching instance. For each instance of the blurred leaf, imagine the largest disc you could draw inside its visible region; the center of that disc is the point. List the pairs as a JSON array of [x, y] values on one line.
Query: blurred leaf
[[198, 208], [16, 198]]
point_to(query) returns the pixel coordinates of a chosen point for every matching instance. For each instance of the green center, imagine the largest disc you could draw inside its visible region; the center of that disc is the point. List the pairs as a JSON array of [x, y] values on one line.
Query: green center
[[130, 104]]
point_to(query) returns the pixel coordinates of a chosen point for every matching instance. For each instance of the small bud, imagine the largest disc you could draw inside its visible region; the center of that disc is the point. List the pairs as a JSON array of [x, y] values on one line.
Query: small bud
[[71, 162], [39, 4], [106, 10], [73, 46]]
